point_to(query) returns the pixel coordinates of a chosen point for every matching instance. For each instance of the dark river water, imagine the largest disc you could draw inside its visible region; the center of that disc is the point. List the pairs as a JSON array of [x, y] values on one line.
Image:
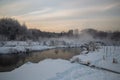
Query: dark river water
[[9, 62]]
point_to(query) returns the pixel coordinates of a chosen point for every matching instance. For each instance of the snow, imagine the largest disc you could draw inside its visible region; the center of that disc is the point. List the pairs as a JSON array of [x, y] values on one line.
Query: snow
[[57, 69], [41, 71], [96, 58], [8, 50], [38, 48], [81, 72], [109, 66], [7, 47], [22, 46], [5, 50]]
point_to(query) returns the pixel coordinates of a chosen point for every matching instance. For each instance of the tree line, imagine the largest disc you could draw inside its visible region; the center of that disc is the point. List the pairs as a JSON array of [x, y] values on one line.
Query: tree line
[[115, 35], [11, 29]]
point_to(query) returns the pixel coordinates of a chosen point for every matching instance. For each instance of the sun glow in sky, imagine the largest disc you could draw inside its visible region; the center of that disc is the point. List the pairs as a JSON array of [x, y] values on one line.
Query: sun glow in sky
[[62, 15]]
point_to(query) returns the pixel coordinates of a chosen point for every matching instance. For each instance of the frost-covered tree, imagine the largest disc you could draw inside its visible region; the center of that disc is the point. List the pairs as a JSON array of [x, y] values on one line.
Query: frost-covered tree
[[11, 28]]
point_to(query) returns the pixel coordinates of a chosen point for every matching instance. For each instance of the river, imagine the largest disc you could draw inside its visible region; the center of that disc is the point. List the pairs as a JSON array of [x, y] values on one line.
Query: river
[[10, 62]]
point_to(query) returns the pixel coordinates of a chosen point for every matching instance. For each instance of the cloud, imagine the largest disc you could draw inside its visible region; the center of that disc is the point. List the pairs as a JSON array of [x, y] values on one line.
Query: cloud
[[38, 12], [75, 9], [13, 8], [111, 6], [64, 12], [53, 14], [87, 3]]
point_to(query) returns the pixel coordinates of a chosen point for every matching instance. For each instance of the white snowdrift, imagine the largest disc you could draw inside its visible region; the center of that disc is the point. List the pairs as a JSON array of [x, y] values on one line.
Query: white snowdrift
[[97, 59], [57, 69], [22, 46], [42, 71], [21, 49]]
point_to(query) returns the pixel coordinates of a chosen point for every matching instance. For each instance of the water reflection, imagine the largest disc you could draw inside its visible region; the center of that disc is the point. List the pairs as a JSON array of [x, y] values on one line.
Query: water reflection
[[13, 61]]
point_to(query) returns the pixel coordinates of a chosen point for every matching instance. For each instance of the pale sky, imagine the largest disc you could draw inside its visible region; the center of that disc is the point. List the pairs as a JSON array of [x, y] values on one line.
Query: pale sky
[[62, 15]]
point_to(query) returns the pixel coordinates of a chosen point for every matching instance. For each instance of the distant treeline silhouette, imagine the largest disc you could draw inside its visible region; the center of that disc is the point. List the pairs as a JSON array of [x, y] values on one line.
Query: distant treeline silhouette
[[11, 29], [115, 36]]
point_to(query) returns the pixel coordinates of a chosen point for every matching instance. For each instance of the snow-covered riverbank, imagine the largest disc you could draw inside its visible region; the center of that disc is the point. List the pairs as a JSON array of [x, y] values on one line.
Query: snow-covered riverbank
[[23, 47], [107, 59], [57, 69], [8, 47]]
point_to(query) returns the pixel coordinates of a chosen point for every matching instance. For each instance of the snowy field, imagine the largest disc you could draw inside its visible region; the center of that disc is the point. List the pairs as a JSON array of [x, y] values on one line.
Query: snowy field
[[9, 47], [58, 69], [22, 47], [101, 64], [108, 57]]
